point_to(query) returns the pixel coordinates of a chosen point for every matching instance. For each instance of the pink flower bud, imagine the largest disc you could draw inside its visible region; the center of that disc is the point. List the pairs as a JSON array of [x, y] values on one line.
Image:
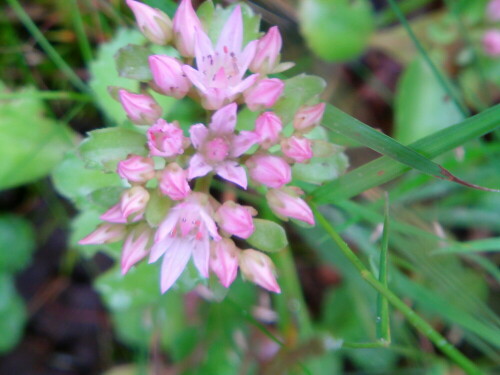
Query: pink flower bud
[[268, 127], [297, 148], [114, 215], [491, 43], [136, 246], [268, 51], [168, 76], [493, 10], [141, 109], [269, 170], [134, 200], [286, 203], [105, 233], [173, 182], [259, 269], [166, 139], [224, 260], [136, 168], [307, 117], [236, 219], [264, 94], [154, 24], [186, 22]]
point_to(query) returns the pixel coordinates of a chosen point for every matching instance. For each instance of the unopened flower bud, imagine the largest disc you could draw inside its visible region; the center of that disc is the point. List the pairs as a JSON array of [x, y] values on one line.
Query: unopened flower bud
[[285, 202], [173, 182], [491, 43], [105, 233], [297, 148], [141, 109], [166, 139], [268, 51], [186, 22], [269, 170], [268, 127], [136, 169], [224, 260], [153, 23], [259, 269], [307, 117], [264, 93], [236, 219], [136, 246], [134, 200], [168, 76]]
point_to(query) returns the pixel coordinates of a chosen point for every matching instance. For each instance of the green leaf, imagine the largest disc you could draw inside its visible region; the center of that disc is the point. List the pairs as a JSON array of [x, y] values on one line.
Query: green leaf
[[17, 241], [104, 148], [132, 62], [422, 106], [84, 186], [157, 208], [12, 314], [299, 90], [319, 170], [30, 143], [268, 236], [385, 169], [336, 30], [487, 244]]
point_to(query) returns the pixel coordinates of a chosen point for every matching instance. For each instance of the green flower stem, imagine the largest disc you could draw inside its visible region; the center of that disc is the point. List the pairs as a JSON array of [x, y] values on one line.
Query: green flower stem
[[442, 79], [48, 95], [419, 323], [47, 47]]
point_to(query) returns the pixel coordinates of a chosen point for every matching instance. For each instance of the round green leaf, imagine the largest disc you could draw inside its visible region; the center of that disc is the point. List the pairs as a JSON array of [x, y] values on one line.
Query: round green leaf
[[268, 236], [336, 30], [17, 242], [132, 62]]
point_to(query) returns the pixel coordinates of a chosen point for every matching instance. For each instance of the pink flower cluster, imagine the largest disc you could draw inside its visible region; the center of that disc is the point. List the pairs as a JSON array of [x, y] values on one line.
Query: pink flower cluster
[[491, 38], [180, 164]]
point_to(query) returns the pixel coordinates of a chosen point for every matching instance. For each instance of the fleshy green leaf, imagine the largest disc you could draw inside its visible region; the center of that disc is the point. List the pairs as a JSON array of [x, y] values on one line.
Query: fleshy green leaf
[[85, 187], [12, 314], [299, 90], [157, 208], [105, 147], [30, 143], [336, 30], [422, 106], [320, 170], [132, 62], [17, 242], [268, 236]]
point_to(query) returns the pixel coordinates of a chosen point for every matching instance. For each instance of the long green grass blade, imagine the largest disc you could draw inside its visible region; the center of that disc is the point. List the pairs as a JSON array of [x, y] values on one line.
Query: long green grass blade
[[487, 244], [83, 40], [383, 324], [47, 47], [385, 169]]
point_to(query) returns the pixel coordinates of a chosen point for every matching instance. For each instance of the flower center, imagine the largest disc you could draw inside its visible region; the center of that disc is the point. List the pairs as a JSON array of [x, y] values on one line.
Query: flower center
[[217, 149]]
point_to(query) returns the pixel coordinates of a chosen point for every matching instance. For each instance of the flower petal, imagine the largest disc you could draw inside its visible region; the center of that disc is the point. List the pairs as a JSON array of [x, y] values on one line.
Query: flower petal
[[198, 167], [203, 50], [233, 172], [242, 142], [246, 57], [201, 254], [243, 85], [198, 133], [174, 262], [231, 36], [224, 120], [197, 78]]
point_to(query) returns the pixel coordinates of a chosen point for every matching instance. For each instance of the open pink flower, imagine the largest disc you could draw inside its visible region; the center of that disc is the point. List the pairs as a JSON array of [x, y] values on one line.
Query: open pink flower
[[185, 232], [217, 146], [220, 70]]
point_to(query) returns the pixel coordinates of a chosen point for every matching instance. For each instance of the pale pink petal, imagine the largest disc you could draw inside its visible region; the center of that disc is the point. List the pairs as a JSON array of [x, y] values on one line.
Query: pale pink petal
[[174, 262], [242, 142], [198, 133], [135, 248], [246, 57], [224, 120], [233, 172], [201, 255], [209, 223], [197, 78], [168, 225], [114, 215], [203, 50], [198, 167], [214, 98], [243, 85], [231, 36]]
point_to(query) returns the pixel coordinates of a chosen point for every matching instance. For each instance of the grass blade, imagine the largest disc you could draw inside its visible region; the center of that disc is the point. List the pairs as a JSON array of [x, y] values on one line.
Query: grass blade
[[487, 244], [385, 169], [383, 324]]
